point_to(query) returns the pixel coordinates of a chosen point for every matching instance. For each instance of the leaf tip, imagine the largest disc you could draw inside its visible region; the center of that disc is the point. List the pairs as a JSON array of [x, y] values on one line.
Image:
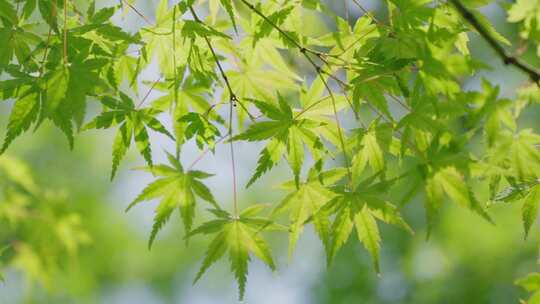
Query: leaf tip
[[150, 243]]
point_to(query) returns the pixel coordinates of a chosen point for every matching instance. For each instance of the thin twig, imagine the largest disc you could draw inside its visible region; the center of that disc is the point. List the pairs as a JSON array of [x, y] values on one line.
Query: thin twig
[[149, 91], [233, 166], [215, 105], [232, 103], [367, 13], [232, 96], [137, 12], [205, 152], [176, 84]]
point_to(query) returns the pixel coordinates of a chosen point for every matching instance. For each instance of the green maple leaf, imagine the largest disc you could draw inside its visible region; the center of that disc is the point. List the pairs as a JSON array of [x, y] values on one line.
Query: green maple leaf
[[514, 192], [199, 127], [195, 29], [318, 107], [48, 10], [86, 82], [18, 42], [497, 112], [531, 283], [281, 120], [519, 151], [228, 5], [529, 210], [340, 41], [304, 204], [240, 237], [192, 117], [8, 11], [5, 53], [159, 40], [23, 114], [177, 190], [264, 28], [56, 96], [448, 180], [286, 133], [56, 87], [268, 157], [253, 78], [133, 126], [372, 145], [360, 209]]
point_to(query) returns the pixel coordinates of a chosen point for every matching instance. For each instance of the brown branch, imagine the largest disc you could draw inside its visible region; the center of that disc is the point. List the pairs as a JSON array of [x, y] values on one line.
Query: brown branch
[[507, 59]]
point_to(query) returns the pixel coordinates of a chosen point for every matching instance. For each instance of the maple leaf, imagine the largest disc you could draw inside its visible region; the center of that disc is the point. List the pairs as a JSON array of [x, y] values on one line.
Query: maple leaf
[[240, 237], [24, 113], [449, 181], [133, 126], [304, 205], [177, 190], [360, 209], [285, 131]]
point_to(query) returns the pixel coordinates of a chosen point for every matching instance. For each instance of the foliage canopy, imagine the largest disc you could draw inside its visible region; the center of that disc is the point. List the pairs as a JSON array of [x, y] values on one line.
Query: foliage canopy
[[355, 108]]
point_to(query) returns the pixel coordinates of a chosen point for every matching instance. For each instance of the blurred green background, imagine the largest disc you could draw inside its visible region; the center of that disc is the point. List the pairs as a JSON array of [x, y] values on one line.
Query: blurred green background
[[90, 251]]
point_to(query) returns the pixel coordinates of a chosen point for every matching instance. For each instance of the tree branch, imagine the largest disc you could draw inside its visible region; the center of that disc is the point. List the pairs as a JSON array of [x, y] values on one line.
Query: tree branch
[[134, 9], [507, 59], [233, 99]]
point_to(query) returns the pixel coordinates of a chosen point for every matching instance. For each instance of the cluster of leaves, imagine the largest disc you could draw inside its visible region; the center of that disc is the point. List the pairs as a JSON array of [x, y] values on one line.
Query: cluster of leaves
[[531, 283], [527, 14], [39, 232], [397, 83]]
